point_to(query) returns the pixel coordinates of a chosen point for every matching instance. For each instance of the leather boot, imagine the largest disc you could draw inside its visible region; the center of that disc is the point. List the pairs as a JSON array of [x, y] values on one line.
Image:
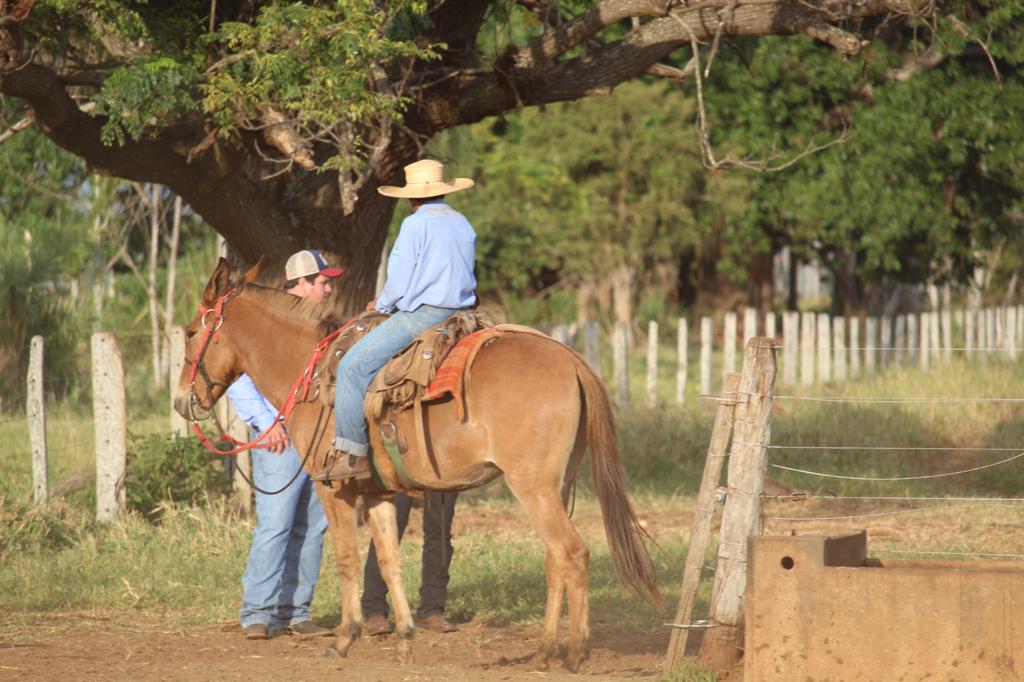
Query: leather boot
[[343, 467]]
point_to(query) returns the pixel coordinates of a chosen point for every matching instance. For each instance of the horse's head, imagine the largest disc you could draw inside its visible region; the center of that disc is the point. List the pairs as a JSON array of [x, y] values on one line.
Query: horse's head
[[211, 350]]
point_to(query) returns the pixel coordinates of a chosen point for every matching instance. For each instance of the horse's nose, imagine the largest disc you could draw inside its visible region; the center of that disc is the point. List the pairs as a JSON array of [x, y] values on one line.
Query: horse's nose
[[181, 405]]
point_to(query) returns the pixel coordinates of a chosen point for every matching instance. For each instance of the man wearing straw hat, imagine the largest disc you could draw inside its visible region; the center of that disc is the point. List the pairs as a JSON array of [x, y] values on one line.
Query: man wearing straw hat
[[430, 277]]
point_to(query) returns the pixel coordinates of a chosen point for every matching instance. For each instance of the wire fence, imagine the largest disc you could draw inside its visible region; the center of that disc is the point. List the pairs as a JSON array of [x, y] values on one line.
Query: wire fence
[[939, 504]]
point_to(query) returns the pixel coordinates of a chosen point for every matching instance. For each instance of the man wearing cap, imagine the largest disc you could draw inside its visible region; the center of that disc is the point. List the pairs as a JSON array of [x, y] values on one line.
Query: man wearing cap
[[287, 542], [430, 278]]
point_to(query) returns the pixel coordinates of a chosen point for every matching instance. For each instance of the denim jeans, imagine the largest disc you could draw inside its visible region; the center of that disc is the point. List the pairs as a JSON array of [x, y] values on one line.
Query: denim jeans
[[287, 543], [360, 365]]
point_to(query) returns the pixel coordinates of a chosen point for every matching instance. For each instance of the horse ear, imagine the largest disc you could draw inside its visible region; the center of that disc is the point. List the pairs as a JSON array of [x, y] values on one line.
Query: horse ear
[[254, 272], [218, 283]]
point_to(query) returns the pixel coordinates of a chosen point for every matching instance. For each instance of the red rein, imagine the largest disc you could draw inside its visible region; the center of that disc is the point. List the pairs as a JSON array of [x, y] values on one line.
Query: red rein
[[298, 393]]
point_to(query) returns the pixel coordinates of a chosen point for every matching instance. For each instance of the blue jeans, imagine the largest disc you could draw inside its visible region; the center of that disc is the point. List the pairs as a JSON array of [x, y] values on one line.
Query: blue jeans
[[287, 543], [360, 365]]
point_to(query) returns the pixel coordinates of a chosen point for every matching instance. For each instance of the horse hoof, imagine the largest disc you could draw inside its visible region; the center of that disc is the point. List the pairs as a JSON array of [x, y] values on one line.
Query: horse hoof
[[574, 661], [403, 652], [332, 652]]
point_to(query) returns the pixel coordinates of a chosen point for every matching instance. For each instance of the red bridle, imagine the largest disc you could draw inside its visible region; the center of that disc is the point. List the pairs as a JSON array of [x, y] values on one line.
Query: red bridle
[[299, 392]]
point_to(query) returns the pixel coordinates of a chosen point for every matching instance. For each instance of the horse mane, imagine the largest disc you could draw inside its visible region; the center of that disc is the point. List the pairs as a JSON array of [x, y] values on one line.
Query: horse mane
[[313, 311], [326, 317]]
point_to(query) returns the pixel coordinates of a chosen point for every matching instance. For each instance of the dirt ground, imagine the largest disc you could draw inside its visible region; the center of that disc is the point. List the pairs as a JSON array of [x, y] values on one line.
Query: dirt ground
[[131, 646], [69, 646]]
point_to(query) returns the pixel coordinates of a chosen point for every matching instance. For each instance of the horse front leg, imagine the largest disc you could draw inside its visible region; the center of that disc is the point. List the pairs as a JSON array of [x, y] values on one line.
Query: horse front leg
[[384, 526], [339, 505]]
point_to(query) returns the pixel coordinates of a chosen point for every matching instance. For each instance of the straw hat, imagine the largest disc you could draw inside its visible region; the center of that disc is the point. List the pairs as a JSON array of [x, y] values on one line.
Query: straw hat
[[425, 179]]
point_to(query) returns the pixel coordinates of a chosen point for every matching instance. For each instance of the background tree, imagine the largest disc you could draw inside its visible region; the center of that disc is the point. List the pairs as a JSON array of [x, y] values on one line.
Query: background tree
[[278, 122]]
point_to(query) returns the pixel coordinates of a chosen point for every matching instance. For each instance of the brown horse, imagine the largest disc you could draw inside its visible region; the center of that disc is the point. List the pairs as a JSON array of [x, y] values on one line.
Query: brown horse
[[533, 407]]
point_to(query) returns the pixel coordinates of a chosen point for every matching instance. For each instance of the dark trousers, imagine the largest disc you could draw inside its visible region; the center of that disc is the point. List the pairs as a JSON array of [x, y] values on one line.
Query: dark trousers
[[438, 510]]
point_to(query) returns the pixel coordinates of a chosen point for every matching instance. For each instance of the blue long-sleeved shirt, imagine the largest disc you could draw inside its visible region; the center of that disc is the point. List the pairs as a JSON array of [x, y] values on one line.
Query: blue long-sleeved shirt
[[251, 406], [431, 262]]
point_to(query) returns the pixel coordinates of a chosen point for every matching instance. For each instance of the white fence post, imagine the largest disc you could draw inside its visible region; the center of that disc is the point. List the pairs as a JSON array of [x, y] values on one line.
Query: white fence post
[[35, 411], [179, 426], [592, 345], [901, 338], [947, 336], [839, 348], [111, 426], [912, 340], [729, 344], [706, 342], [855, 347], [870, 343], [807, 346], [749, 324], [769, 325], [925, 339], [620, 361], [790, 341], [885, 322], [969, 320], [824, 348], [682, 350], [936, 342], [652, 363], [991, 340], [1011, 332]]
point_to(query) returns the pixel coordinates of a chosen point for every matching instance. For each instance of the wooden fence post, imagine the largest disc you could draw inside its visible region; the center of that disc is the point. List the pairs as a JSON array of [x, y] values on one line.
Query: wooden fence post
[[108, 408], [807, 344], [741, 517], [700, 528], [652, 363], [790, 342], [855, 347], [620, 362], [179, 426], [35, 411], [729, 344], [824, 348], [839, 348], [682, 350], [706, 341], [870, 344]]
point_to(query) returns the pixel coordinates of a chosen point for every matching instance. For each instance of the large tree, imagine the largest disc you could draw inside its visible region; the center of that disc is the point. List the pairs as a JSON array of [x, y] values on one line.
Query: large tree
[[277, 122]]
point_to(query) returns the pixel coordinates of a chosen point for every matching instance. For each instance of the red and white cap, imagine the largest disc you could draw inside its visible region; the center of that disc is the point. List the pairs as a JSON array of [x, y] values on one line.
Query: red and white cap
[[309, 262]]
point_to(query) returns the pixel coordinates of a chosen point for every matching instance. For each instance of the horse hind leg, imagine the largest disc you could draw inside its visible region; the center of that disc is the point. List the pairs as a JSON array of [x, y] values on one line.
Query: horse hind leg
[[567, 572]]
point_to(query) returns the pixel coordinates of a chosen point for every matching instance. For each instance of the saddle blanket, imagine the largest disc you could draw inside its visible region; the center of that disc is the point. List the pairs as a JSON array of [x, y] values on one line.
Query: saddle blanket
[[451, 374]]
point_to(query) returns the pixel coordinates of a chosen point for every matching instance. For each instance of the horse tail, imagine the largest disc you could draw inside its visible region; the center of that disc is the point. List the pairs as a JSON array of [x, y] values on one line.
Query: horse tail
[[625, 535]]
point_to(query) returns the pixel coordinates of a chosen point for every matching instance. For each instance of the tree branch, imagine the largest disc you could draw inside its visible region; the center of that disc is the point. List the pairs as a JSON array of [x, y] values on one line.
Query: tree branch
[[17, 128]]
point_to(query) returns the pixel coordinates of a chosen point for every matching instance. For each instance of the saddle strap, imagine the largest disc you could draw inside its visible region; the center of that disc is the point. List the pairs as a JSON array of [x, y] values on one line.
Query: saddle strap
[[390, 441], [421, 434]]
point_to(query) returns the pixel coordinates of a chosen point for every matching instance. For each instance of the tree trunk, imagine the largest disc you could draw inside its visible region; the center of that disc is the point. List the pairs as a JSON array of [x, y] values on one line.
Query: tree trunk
[[622, 298], [152, 292], [172, 278]]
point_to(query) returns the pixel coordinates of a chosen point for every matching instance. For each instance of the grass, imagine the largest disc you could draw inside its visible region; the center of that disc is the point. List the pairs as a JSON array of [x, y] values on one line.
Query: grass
[[188, 566]]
